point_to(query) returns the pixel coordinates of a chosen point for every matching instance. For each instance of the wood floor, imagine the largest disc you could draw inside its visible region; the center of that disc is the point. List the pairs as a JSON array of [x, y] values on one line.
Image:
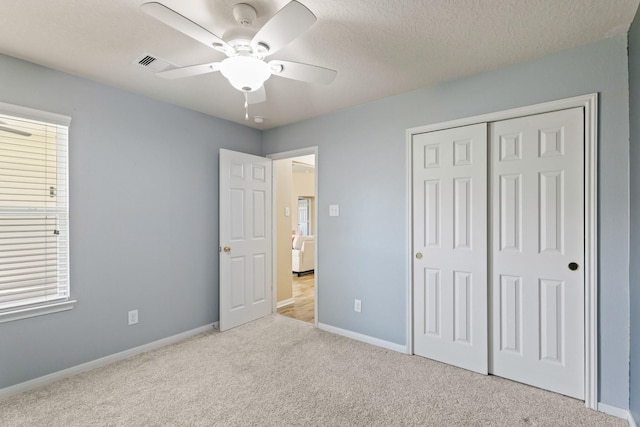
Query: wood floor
[[303, 294]]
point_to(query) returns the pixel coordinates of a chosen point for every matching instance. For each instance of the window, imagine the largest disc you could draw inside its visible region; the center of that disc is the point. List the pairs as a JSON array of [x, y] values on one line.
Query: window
[[34, 213]]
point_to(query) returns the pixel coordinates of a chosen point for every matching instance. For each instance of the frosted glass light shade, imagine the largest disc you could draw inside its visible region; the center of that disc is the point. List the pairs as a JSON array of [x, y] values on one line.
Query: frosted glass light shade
[[245, 73]]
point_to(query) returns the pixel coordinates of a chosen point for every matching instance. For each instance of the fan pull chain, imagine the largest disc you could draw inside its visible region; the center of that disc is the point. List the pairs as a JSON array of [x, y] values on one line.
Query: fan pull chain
[[246, 105]]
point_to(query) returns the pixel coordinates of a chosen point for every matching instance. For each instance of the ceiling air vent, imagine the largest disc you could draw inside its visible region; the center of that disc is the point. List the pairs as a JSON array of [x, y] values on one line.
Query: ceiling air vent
[[153, 63]]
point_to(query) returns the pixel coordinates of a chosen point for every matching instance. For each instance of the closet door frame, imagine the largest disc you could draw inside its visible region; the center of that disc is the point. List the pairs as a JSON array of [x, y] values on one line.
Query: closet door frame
[[589, 103]]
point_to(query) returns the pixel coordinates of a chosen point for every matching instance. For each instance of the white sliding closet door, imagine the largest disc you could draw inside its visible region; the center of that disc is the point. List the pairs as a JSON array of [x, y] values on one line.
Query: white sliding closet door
[[450, 246], [502, 290], [537, 250]]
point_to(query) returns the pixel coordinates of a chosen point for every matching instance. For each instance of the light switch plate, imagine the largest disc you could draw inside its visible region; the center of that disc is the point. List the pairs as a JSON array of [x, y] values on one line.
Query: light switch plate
[[334, 210], [287, 211]]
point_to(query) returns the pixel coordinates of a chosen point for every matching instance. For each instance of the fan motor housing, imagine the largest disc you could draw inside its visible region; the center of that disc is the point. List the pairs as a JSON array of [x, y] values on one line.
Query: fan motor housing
[[238, 36]]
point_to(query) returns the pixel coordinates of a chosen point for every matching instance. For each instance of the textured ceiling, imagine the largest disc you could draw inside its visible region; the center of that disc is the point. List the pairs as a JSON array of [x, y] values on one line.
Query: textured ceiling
[[379, 47]]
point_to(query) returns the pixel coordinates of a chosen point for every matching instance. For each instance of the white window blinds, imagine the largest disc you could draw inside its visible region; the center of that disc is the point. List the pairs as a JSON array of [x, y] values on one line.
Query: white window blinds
[[34, 231]]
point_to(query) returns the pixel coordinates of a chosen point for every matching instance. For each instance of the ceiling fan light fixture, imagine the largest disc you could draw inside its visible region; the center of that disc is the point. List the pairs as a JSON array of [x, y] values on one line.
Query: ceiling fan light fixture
[[245, 73], [245, 67]]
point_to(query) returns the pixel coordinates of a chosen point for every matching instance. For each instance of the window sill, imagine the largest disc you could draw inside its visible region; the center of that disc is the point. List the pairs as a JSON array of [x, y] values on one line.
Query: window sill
[[23, 313]]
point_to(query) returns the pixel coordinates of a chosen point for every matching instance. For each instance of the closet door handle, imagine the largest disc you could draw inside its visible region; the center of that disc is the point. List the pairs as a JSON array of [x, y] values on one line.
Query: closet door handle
[[573, 266], [419, 255]]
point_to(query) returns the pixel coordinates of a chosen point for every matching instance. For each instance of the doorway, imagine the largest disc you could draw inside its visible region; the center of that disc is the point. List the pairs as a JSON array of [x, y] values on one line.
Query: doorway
[[295, 234]]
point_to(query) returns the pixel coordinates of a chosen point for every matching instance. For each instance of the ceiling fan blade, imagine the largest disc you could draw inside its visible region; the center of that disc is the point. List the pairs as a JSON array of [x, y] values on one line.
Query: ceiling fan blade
[[16, 131], [287, 24], [302, 72], [184, 25], [192, 70], [258, 96]]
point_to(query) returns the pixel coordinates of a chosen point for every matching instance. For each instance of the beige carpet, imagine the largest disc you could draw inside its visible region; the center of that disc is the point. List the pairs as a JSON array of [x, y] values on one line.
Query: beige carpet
[[282, 372]]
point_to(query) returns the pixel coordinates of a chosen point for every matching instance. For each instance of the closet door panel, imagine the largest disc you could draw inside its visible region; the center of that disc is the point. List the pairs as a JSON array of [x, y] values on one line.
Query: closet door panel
[[450, 246], [537, 217]]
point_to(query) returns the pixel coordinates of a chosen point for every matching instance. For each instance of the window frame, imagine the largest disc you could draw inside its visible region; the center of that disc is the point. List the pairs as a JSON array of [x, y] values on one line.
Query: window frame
[[57, 305]]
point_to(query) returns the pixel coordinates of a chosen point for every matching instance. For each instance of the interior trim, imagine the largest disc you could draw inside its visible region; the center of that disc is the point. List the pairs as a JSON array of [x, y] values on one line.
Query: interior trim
[[39, 310], [285, 303], [33, 114], [400, 348], [617, 412]]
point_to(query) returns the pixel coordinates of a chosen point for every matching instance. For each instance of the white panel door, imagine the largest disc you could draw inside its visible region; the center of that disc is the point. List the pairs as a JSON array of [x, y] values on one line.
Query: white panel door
[[450, 246], [537, 233], [245, 238]]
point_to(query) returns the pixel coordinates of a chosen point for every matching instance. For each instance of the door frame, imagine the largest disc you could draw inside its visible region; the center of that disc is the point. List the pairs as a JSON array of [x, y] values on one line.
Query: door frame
[[274, 270], [590, 104]]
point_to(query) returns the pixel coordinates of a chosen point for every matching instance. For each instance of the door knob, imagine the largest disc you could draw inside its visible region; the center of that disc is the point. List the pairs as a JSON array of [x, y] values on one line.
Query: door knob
[[419, 255], [573, 266], [227, 249]]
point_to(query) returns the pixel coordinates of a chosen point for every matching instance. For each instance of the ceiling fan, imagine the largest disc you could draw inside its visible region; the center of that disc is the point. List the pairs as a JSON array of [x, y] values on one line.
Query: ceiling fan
[[245, 66], [12, 130]]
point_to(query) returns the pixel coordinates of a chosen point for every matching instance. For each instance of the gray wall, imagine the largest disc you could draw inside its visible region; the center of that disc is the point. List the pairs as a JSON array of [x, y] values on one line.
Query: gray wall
[[634, 285], [144, 220], [362, 167]]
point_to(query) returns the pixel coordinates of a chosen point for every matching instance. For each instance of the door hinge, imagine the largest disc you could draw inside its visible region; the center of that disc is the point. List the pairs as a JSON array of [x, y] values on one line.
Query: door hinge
[[52, 191]]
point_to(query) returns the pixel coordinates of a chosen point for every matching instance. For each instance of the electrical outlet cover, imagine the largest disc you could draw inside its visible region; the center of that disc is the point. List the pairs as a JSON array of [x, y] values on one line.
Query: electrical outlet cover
[[133, 317]]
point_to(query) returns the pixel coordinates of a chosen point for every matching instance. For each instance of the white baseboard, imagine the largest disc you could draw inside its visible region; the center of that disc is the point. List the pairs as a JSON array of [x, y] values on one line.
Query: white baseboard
[[617, 412], [285, 302], [74, 370], [364, 338]]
